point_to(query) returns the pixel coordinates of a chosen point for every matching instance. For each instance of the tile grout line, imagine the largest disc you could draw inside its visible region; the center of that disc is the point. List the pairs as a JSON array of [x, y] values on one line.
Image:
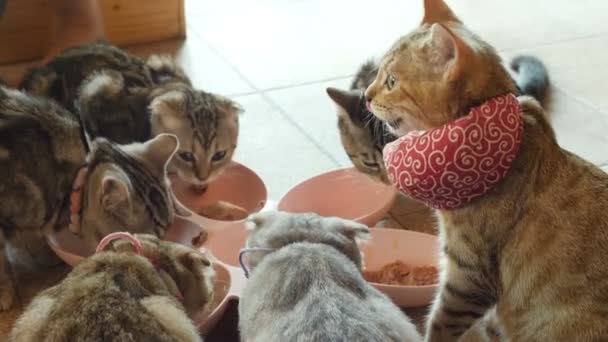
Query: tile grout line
[[291, 86], [584, 103], [551, 43], [265, 96], [578, 99]]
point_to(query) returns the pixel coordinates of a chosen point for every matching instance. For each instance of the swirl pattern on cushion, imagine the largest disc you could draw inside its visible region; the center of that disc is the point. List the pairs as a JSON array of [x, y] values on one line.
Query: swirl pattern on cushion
[[449, 166]]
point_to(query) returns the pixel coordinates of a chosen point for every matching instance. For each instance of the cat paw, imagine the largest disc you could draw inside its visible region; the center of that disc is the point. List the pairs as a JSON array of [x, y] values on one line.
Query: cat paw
[[224, 211]]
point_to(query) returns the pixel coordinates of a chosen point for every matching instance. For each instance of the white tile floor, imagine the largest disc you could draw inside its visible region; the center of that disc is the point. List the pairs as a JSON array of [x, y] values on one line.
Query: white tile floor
[[287, 52], [276, 57]]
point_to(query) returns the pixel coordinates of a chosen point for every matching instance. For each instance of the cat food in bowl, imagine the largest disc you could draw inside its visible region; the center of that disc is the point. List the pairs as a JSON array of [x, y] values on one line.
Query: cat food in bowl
[[236, 193], [403, 265], [345, 193], [71, 248]]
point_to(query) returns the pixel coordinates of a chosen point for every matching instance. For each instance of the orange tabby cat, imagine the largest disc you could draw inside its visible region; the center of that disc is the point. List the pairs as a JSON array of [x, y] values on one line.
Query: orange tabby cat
[[536, 244]]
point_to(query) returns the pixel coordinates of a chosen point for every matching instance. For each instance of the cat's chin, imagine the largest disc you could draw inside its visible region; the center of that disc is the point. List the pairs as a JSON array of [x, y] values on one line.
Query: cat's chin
[[399, 131]]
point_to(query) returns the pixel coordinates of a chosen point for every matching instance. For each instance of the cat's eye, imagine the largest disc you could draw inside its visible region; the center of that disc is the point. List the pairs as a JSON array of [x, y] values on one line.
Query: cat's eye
[[390, 82], [219, 155], [186, 156]]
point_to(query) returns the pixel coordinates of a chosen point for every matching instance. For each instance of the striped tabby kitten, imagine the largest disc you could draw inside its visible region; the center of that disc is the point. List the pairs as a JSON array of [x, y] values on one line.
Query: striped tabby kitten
[[41, 152], [308, 286], [126, 99], [120, 296], [364, 136], [534, 245]]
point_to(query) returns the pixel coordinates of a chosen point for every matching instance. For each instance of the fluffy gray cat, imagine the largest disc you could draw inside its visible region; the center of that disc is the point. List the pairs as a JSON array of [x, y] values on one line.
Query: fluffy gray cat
[[306, 284]]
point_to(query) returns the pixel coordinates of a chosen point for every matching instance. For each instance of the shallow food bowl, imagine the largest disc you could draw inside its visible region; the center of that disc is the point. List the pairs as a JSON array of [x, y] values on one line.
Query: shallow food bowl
[[224, 244], [414, 248], [345, 193], [71, 248], [237, 185]]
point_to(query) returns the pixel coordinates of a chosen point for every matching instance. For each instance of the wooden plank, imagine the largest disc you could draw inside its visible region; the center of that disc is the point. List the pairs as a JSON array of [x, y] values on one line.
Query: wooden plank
[[25, 25]]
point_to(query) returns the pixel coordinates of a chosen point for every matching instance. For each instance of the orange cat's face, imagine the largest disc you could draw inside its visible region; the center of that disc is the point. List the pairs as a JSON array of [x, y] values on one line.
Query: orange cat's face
[[407, 93], [435, 74]]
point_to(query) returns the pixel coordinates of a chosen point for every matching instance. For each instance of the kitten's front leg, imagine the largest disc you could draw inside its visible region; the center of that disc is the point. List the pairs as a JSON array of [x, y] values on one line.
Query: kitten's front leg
[[465, 295], [7, 286]]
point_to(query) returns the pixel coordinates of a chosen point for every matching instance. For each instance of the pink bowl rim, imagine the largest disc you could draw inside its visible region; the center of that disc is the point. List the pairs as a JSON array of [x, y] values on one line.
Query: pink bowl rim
[[408, 287], [264, 201], [363, 218]]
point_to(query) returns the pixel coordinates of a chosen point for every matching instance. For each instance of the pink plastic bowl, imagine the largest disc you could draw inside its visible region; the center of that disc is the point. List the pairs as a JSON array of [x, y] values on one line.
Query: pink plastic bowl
[[238, 185], [228, 283], [345, 193], [225, 243], [71, 248], [386, 245], [417, 249]]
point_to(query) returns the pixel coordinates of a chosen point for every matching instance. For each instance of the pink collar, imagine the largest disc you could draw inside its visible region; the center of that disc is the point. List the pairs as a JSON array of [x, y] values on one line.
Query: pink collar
[[139, 249], [449, 166], [76, 199]]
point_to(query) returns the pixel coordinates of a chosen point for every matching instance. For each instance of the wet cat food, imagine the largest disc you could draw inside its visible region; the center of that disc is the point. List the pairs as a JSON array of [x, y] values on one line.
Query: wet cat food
[[400, 273]]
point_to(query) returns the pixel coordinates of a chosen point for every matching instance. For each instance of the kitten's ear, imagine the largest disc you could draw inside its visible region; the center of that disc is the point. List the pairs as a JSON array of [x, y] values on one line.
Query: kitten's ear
[[114, 193], [230, 106], [161, 149], [354, 230], [194, 260], [437, 11], [343, 98], [168, 110], [255, 221], [453, 52]]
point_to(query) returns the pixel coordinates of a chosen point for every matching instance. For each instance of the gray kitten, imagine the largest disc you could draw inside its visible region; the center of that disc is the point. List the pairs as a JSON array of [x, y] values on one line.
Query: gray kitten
[[125, 99], [42, 150], [363, 135], [119, 296], [309, 286]]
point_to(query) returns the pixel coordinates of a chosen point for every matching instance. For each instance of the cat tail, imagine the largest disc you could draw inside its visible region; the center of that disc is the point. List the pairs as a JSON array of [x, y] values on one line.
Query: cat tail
[[365, 75], [532, 77]]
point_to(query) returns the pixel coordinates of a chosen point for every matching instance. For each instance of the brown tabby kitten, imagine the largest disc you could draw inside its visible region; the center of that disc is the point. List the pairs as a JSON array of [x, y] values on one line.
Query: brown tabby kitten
[[41, 151], [364, 136], [535, 244], [120, 296], [126, 99]]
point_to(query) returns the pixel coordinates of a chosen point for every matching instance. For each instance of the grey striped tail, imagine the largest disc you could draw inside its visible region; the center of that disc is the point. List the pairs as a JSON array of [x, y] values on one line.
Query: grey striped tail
[[532, 77]]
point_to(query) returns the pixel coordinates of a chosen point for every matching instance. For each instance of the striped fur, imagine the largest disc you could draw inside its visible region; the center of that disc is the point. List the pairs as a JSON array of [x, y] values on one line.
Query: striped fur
[[126, 99], [41, 150], [122, 297], [534, 247], [151, 189]]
